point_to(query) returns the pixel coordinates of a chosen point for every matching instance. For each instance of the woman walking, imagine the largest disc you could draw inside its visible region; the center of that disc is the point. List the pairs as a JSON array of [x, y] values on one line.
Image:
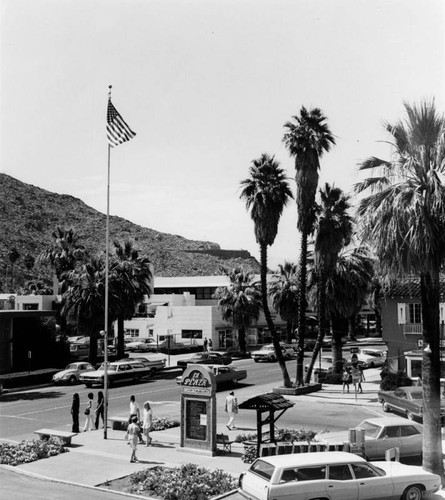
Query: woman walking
[[99, 409], [75, 408], [89, 421], [133, 432], [147, 423]]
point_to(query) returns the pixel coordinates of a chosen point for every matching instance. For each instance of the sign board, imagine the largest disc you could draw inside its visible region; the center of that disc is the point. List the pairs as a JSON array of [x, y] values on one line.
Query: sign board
[[198, 410]]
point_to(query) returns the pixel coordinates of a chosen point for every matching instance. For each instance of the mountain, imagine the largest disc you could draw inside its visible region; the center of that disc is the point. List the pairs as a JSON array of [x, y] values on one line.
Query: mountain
[[29, 214]]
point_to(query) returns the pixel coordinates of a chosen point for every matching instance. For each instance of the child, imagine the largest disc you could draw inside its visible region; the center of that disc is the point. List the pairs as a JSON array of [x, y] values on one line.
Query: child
[[133, 433], [147, 422], [346, 379]]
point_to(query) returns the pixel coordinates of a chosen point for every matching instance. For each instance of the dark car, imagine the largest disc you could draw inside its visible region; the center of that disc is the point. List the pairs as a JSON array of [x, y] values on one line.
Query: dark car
[[234, 353], [408, 401], [205, 358]]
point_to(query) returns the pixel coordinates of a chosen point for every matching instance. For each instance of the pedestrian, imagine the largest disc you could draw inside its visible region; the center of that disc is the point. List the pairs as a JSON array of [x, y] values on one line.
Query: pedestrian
[[99, 412], [210, 344], [133, 433], [346, 378], [356, 376], [205, 344], [231, 407], [89, 421], [75, 407], [362, 378], [147, 423], [134, 412]]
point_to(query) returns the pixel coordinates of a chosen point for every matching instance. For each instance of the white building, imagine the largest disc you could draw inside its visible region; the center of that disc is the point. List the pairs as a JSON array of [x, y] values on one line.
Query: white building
[[184, 308]]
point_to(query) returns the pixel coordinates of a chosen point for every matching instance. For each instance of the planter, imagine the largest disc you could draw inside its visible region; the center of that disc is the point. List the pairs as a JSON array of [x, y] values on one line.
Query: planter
[[296, 391]]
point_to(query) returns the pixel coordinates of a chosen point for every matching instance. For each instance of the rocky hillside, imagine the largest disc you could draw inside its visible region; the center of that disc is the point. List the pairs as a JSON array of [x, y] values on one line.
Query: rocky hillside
[[29, 215]]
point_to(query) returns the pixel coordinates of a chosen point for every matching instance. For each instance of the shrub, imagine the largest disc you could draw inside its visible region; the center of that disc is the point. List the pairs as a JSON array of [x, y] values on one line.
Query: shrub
[[159, 424], [185, 482], [333, 378], [390, 380], [30, 451]]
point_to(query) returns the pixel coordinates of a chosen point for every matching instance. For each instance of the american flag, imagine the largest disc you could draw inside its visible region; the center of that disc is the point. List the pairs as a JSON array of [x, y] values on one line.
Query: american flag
[[117, 130]]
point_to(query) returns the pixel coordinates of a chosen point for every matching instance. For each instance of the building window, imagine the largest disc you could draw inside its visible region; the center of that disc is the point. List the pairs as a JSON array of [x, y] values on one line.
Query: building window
[[30, 307], [191, 334], [415, 313], [205, 293], [132, 332]]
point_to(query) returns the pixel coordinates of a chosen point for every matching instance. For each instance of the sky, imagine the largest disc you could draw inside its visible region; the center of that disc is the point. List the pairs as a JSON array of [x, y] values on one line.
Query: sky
[[207, 86]]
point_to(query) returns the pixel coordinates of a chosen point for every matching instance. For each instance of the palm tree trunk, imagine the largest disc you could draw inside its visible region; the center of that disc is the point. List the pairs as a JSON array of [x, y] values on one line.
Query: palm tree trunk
[[275, 340], [242, 338], [322, 323], [337, 343], [432, 442], [120, 348], [301, 309]]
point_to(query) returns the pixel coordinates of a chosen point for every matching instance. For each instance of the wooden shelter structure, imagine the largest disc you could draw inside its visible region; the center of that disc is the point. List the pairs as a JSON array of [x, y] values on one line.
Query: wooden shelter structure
[[269, 403]]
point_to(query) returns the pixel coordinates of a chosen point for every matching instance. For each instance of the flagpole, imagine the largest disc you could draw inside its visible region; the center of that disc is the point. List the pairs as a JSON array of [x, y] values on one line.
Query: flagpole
[[107, 238]]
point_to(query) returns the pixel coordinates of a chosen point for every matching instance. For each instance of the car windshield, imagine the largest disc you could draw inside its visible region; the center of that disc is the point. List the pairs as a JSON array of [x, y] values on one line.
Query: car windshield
[[111, 368], [266, 348], [72, 366], [371, 430]]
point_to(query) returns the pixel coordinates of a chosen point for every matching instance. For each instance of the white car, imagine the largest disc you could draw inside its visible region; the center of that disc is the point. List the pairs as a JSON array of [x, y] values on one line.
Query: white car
[[72, 373], [334, 475], [368, 358], [142, 345], [267, 352], [383, 433]]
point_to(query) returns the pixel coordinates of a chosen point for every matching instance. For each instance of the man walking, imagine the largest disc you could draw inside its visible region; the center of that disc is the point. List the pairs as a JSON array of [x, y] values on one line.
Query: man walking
[[231, 408]]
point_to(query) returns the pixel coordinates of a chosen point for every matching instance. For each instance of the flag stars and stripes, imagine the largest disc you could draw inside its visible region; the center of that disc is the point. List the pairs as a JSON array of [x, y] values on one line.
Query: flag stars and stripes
[[117, 130]]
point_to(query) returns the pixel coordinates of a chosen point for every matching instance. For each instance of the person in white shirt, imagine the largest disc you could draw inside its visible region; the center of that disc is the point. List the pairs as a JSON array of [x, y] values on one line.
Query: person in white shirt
[[147, 422], [231, 408]]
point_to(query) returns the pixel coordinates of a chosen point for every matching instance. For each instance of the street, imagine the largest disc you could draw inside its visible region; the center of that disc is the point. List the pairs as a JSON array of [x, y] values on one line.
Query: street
[[23, 412]]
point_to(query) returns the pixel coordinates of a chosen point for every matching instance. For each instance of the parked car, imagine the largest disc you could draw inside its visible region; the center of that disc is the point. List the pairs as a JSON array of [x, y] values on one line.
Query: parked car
[[408, 401], [205, 358], [155, 362], [336, 476], [78, 339], [233, 352], [267, 352], [142, 345], [118, 371], [369, 358], [324, 365], [223, 374], [383, 433], [79, 350], [72, 373]]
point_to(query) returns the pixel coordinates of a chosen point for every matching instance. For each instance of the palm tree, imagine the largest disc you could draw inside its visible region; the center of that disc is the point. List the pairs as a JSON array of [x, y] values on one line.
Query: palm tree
[[266, 193], [307, 140], [404, 219], [239, 302], [83, 300], [284, 292], [333, 231], [131, 280], [347, 289]]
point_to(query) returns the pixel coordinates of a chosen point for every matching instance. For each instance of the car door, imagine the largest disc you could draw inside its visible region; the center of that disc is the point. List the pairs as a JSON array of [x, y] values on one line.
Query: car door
[[301, 482], [370, 483], [341, 484], [410, 441], [389, 437]]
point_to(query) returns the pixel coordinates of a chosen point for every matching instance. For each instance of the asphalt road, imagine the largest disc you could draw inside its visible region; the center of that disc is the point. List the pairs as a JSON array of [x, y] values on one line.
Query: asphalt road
[[23, 412]]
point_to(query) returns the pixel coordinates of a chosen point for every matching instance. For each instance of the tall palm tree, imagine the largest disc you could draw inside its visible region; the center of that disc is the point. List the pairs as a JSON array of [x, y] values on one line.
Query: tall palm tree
[[239, 302], [131, 280], [404, 219], [284, 292], [13, 256], [333, 231], [266, 193], [347, 289], [307, 139], [83, 300]]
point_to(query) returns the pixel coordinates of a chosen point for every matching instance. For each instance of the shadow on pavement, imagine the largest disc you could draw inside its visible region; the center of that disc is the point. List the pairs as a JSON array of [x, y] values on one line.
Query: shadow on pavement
[[30, 396]]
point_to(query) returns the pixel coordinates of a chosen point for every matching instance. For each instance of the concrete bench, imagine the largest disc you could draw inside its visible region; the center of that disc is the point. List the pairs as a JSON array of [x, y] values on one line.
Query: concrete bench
[[64, 436], [223, 440], [119, 423]]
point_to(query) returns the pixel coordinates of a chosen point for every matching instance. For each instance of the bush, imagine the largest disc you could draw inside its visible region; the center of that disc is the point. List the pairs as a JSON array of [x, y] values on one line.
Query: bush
[[390, 380], [333, 378], [185, 482], [159, 424], [30, 451]]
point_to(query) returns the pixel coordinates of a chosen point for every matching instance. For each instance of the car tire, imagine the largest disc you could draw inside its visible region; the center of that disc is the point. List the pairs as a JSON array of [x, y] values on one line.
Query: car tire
[[88, 384], [235, 382], [72, 380], [256, 360], [413, 492], [385, 407], [410, 416]]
